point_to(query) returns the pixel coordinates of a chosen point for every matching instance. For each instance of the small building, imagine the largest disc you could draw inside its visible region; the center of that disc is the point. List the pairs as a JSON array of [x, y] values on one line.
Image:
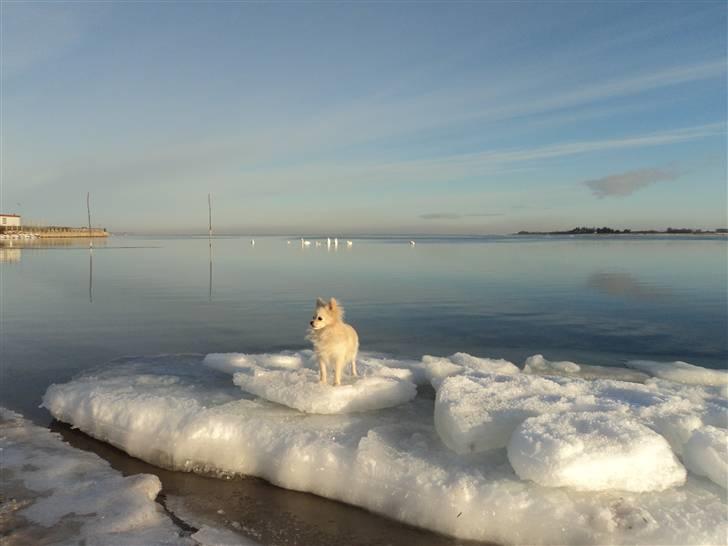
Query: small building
[[9, 220]]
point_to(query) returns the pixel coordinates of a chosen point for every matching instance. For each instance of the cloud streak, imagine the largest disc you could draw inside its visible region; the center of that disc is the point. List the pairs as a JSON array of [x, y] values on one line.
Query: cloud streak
[[624, 184], [457, 216]]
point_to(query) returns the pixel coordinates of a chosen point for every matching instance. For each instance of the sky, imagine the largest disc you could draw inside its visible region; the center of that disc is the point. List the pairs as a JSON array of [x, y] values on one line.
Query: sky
[[339, 118]]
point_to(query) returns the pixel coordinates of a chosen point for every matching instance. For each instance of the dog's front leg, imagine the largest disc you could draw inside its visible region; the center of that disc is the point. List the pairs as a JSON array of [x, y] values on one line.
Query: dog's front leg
[[322, 371]]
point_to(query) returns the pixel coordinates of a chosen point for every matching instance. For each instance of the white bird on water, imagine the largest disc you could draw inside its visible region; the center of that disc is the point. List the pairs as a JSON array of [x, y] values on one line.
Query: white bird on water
[[252, 242], [336, 242], [412, 243], [328, 242], [307, 243], [349, 243]]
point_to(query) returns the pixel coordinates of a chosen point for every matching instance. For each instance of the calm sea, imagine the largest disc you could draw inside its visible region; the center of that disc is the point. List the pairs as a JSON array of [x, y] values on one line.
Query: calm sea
[[595, 300], [592, 300]]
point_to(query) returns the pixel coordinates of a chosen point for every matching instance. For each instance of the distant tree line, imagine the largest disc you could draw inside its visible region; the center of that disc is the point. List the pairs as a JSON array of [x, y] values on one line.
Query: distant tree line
[[585, 230]]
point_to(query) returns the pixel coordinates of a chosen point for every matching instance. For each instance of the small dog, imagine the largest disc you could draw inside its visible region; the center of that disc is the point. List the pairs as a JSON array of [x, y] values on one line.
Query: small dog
[[334, 341]]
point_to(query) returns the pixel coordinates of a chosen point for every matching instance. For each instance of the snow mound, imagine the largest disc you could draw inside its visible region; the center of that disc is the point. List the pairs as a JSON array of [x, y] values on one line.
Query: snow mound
[[72, 496], [593, 452], [301, 390], [706, 454], [438, 368], [681, 372], [174, 412], [537, 364]]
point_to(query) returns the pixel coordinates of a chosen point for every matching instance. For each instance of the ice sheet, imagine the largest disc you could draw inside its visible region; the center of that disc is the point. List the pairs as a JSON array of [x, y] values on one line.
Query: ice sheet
[[177, 413], [593, 451], [72, 496], [681, 372]]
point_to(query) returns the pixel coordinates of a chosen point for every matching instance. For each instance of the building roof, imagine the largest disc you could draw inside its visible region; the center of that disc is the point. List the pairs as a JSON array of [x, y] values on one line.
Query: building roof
[[14, 215]]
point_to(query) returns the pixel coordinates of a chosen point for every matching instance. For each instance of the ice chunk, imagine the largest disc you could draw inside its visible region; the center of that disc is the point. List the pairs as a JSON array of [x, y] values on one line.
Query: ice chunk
[[437, 368], [706, 454], [537, 364], [476, 413], [593, 451], [301, 390], [184, 416], [681, 372], [71, 496]]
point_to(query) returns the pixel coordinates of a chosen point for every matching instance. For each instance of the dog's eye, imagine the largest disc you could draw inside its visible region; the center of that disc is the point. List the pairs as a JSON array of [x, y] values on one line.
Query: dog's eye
[[319, 318]]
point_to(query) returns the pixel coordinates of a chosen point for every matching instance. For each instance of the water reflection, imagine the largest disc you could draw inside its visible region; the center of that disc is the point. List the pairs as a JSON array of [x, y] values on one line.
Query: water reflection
[[9, 255], [67, 242], [209, 285], [91, 275], [625, 285]]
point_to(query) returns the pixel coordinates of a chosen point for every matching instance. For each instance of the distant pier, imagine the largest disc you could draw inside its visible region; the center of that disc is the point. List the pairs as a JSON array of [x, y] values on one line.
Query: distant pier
[[50, 232]]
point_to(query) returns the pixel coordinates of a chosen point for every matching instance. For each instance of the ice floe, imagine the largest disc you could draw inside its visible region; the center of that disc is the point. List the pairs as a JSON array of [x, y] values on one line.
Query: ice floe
[[292, 380], [681, 372], [438, 464], [593, 451]]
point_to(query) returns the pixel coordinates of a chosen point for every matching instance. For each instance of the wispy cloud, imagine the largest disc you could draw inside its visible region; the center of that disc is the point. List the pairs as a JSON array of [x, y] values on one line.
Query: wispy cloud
[[623, 184], [457, 216], [33, 33]]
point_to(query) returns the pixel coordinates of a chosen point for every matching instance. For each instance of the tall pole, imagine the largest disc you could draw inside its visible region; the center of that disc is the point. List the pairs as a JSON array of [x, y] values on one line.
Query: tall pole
[[88, 209], [209, 210]]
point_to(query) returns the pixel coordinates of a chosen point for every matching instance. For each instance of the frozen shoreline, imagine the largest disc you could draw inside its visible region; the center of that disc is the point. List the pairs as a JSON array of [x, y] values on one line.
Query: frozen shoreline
[[56, 494], [174, 412]]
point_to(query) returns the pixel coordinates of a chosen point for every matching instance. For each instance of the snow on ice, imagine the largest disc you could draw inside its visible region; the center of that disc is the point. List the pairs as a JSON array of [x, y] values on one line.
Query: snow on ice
[[440, 464]]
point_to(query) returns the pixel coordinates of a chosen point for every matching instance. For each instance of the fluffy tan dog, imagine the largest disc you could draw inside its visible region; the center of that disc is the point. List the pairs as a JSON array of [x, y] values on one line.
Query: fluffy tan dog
[[334, 341]]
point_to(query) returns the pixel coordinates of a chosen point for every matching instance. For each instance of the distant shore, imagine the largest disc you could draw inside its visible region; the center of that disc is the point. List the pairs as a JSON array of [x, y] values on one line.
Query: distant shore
[[610, 231]]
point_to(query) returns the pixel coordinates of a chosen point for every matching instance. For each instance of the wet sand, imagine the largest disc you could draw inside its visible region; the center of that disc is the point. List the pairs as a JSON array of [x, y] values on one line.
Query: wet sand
[[256, 509]]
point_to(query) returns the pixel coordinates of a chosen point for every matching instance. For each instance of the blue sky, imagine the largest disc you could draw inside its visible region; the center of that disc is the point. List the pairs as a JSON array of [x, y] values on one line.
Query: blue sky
[[365, 117]]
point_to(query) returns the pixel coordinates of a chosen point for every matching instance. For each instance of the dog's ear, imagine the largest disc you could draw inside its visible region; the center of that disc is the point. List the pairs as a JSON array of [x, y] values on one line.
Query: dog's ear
[[333, 304], [320, 302]]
